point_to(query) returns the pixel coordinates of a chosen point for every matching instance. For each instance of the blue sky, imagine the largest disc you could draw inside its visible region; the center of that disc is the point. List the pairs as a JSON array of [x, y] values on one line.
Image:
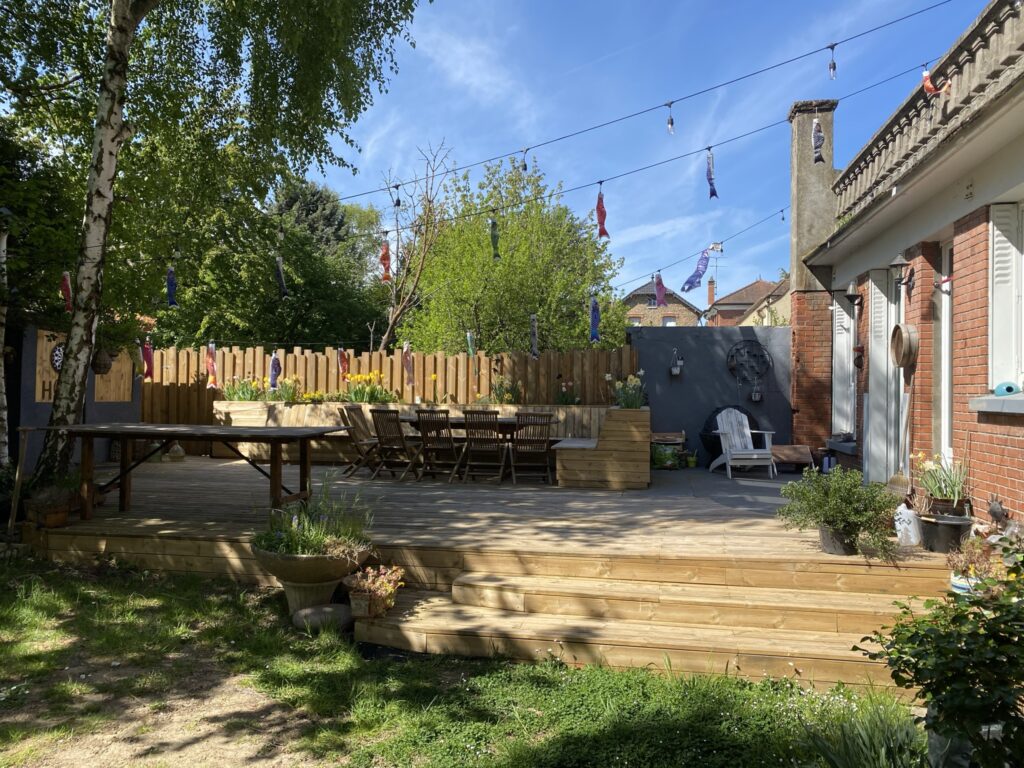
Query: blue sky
[[490, 76]]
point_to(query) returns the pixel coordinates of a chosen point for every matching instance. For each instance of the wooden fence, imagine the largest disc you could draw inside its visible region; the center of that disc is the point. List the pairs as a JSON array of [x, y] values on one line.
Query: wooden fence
[[178, 392]]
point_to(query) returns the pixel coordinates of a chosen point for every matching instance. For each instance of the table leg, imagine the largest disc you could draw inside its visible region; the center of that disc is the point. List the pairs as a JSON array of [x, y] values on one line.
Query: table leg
[[124, 486], [305, 467], [276, 501], [86, 488]]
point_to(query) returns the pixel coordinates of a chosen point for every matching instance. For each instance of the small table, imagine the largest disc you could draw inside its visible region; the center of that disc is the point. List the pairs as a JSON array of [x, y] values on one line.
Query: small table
[[166, 434]]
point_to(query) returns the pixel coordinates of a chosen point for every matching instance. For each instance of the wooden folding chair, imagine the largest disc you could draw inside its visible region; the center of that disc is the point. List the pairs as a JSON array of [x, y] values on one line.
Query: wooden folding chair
[[530, 445], [486, 451], [440, 451], [394, 449], [362, 441]]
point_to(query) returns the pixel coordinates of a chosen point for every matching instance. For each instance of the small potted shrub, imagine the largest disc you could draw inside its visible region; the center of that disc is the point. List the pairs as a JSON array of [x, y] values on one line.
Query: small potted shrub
[[850, 516], [311, 545], [372, 590], [973, 564]]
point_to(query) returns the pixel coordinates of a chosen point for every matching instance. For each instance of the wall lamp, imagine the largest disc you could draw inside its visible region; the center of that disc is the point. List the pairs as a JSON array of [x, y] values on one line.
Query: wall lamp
[[904, 276], [852, 296]]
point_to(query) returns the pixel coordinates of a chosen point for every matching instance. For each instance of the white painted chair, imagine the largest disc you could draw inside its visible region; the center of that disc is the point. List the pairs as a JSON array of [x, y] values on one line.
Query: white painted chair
[[738, 444]]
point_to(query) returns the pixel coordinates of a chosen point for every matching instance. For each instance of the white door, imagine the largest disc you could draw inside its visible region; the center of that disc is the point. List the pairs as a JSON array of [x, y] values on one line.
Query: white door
[[881, 443], [945, 302]]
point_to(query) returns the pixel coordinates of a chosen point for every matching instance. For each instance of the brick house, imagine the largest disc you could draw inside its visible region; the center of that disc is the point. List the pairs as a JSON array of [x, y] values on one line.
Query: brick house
[[923, 228], [732, 307], [642, 309], [774, 309]]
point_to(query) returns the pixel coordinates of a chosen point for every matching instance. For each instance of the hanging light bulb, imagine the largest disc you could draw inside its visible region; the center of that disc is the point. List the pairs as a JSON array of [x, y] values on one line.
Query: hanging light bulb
[[398, 195], [524, 166], [670, 124], [782, 213], [832, 62]]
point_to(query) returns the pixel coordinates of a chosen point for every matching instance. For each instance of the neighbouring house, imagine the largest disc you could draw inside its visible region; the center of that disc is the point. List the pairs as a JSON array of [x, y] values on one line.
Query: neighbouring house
[[731, 308], [923, 228], [643, 310], [774, 309]]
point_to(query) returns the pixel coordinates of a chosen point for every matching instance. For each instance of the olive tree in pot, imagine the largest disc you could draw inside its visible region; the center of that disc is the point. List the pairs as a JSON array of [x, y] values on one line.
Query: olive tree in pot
[[963, 656], [310, 546], [850, 516]]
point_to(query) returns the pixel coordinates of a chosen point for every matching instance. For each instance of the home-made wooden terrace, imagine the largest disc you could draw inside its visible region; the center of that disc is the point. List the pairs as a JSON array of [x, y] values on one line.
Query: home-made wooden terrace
[[695, 571]]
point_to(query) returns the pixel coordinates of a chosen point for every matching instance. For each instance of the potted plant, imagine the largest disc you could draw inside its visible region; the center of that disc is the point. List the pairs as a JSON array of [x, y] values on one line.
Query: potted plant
[[972, 564], [372, 590], [49, 506], [943, 508], [850, 516], [310, 546], [628, 393]]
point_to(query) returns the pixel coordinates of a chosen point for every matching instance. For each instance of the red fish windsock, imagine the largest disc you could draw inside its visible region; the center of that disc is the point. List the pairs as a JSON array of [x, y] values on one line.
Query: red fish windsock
[[602, 215], [930, 88], [385, 261], [65, 290]]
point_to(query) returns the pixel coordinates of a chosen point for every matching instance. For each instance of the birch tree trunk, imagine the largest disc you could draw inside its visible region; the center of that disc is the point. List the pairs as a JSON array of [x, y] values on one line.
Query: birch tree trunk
[[5, 451], [109, 134]]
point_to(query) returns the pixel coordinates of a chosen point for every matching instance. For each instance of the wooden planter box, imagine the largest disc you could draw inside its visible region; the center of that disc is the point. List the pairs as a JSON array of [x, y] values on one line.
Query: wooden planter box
[[620, 458], [570, 421]]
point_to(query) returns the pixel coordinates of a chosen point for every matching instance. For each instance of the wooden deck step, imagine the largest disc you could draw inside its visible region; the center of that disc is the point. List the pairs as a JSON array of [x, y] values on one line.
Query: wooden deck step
[[651, 601], [430, 622]]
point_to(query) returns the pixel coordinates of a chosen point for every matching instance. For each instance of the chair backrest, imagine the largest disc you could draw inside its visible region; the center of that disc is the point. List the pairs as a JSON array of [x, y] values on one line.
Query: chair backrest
[[735, 430], [357, 421], [387, 423], [436, 430], [533, 433], [482, 435]]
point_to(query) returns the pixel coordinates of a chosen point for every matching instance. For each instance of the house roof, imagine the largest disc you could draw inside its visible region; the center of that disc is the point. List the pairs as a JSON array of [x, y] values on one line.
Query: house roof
[[748, 294], [781, 289], [647, 289]]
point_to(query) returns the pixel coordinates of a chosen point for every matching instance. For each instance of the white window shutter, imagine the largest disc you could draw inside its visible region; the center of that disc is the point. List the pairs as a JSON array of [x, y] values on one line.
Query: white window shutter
[[843, 394], [1004, 296]]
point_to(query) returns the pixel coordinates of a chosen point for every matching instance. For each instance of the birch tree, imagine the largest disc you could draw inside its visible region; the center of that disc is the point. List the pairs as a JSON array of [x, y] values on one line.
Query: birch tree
[[280, 82]]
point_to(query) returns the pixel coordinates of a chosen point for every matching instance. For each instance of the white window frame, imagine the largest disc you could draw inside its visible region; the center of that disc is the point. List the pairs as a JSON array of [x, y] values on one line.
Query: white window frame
[[665, 321], [1006, 305]]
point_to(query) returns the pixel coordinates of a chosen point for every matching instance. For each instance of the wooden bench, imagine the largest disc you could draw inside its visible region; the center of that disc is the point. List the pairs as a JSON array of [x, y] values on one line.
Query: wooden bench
[[618, 459]]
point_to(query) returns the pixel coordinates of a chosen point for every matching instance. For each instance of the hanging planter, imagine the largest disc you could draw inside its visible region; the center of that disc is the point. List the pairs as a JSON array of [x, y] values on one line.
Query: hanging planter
[[102, 362]]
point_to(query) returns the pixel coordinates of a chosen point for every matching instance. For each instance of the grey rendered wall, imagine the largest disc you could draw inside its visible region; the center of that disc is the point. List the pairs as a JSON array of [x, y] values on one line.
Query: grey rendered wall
[[684, 402]]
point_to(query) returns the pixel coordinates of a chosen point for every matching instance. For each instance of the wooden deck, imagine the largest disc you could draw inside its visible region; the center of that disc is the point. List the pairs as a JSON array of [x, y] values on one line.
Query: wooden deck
[[695, 571]]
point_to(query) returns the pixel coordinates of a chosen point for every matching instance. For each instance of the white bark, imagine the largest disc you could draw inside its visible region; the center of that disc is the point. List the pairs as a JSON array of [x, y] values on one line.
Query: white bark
[[109, 134], [5, 451]]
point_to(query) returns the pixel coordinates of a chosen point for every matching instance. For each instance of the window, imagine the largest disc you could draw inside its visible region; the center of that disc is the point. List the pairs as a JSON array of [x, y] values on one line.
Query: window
[[1006, 313], [668, 321], [652, 301], [633, 320]]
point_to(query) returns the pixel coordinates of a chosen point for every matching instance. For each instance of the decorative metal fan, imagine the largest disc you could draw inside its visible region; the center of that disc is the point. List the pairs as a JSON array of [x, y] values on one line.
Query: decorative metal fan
[[748, 361]]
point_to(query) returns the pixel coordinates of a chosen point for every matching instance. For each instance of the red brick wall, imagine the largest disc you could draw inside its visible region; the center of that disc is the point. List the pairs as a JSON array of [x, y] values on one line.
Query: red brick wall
[[727, 317], [926, 261], [811, 388]]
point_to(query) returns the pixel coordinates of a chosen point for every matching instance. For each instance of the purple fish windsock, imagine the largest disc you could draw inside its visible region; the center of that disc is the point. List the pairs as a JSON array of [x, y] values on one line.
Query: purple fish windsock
[[693, 281], [712, 192], [275, 371], [595, 319], [279, 272], [659, 291], [410, 380], [494, 241], [147, 360], [817, 140], [172, 289], [534, 345], [211, 366]]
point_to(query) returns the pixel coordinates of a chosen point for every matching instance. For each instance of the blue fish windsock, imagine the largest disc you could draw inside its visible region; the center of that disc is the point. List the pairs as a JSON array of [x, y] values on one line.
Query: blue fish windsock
[[172, 288], [595, 319], [693, 281], [712, 192]]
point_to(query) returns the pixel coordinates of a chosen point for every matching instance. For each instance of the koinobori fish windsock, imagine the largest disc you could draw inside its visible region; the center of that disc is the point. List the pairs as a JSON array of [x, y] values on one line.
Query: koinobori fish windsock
[[712, 192], [817, 140], [595, 319], [281, 287], [494, 240], [659, 291], [211, 366], [275, 371], [930, 88], [65, 290], [147, 360], [342, 362], [693, 281], [410, 379], [172, 289], [602, 215], [534, 345], [385, 261]]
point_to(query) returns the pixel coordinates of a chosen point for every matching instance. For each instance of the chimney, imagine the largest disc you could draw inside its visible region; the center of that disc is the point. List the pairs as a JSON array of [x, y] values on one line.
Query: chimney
[[812, 203], [711, 291]]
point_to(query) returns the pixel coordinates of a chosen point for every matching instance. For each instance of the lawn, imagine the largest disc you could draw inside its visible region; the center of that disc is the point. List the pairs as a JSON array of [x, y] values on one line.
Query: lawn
[[113, 666]]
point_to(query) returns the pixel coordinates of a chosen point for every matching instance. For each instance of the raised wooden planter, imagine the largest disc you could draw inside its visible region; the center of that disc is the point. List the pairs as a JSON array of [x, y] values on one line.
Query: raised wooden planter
[[570, 421], [620, 459]]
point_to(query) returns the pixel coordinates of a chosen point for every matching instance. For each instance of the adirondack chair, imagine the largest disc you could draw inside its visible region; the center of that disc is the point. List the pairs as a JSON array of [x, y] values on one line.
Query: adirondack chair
[[738, 444]]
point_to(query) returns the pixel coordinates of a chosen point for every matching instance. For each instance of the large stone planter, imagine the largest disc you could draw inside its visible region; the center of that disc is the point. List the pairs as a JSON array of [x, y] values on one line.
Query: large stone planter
[[308, 580]]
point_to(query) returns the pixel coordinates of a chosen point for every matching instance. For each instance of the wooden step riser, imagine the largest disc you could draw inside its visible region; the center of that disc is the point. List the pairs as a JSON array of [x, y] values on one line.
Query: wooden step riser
[[823, 672], [675, 612], [441, 566]]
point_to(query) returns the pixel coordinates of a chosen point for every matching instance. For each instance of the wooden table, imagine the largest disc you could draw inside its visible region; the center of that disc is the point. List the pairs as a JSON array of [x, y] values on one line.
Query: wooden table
[[166, 434], [506, 424]]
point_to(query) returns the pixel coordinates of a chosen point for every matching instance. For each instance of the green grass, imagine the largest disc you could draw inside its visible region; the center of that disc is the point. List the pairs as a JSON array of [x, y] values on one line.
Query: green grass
[[78, 644]]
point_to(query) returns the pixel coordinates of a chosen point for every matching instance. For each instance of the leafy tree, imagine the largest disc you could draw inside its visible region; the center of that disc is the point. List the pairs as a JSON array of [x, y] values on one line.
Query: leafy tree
[[551, 262], [268, 81]]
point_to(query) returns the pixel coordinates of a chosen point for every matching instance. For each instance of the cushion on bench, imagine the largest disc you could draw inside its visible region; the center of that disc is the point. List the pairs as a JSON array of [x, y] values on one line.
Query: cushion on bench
[[581, 443]]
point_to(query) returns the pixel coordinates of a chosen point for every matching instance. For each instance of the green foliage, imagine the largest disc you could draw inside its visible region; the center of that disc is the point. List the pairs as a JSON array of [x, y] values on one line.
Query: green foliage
[[289, 390], [879, 733], [321, 525], [551, 262], [565, 393], [964, 655], [842, 501], [629, 393], [941, 479], [504, 391]]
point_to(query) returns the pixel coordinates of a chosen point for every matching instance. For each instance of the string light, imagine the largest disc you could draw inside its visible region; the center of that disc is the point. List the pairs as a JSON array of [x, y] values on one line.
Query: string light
[[782, 214], [671, 124]]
